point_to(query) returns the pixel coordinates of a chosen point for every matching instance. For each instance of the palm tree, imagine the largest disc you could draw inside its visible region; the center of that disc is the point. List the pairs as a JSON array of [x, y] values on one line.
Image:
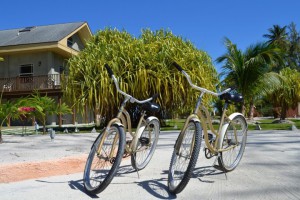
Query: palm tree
[[44, 106], [277, 36], [248, 70], [8, 110], [287, 93], [293, 53]]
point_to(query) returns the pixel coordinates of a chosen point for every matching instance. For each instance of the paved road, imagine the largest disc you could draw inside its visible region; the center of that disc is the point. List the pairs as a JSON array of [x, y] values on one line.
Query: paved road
[[269, 170]]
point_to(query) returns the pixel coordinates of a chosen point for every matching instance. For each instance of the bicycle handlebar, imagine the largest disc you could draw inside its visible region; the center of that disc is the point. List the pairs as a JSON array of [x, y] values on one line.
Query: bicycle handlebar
[[197, 87], [177, 66], [110, 72], [132, 99]]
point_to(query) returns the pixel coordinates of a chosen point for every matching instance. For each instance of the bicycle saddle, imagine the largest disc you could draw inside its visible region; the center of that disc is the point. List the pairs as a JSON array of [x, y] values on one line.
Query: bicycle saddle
[[235, 98], [151, 107]]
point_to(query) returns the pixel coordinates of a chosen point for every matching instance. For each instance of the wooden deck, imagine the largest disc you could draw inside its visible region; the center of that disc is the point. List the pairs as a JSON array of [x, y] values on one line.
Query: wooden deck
[[30, 83]]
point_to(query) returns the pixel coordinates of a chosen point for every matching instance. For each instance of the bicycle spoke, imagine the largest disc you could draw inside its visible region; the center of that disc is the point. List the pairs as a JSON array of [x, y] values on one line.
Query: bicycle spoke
[[233, 144], [146, 145], [102, 165]]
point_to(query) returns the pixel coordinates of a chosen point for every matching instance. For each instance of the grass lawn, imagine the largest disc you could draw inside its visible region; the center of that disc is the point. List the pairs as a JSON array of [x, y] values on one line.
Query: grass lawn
[[265, 124], [170, 124]]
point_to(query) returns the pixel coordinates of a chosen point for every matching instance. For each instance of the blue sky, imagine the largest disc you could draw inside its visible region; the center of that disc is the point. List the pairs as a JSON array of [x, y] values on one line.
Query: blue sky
[[204, 23]]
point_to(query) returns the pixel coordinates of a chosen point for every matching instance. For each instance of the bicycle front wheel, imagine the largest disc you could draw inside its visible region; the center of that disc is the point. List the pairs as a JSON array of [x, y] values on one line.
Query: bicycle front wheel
[[146, 145], [184, 159], [233, 145], [103, 161]]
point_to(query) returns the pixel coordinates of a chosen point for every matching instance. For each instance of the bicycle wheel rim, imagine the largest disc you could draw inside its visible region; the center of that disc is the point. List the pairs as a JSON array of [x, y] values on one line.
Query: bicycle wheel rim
[[100, 168], [231, 158], [146, 145], [183, 163]]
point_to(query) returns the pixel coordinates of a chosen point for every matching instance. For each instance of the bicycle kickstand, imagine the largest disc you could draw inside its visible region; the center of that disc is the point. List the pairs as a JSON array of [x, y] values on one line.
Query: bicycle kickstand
[[217, 166]]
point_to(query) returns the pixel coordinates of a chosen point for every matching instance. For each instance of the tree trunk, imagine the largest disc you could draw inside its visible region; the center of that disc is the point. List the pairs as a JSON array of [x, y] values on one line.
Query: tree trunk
[[283, 112], [74, 116], [85, 114], [251, 111], [44, 126], [8, 121], [59, 115], [243, 109], [1, 140], [276, 112]]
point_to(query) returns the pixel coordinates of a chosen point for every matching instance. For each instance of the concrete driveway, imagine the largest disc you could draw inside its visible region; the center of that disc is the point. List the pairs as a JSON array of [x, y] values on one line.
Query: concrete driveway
[[269, 170]]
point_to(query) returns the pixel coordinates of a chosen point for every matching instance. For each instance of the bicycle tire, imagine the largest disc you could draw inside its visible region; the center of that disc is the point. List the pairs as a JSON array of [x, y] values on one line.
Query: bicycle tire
[[178, 178], [229, 159], [146, 145], [100, 169]]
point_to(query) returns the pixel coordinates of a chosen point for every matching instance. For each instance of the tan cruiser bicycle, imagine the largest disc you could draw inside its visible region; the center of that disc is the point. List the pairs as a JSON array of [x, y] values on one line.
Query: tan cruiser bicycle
[[113, 143], [227, 144]]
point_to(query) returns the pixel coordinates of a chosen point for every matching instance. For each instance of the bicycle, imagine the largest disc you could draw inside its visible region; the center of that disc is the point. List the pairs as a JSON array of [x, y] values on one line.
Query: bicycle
[[227, 144], [112, 144]]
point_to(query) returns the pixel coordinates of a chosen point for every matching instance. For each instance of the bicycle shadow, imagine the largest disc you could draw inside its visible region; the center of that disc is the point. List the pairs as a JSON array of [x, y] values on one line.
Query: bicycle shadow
[[73, 184], [156, 188], [125, 169], [78, 185], [160, 191], [206, 173]]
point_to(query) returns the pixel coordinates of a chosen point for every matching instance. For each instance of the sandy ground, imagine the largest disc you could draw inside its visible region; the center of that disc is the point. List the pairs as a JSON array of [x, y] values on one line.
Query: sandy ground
[[37, 156], [38, 169]]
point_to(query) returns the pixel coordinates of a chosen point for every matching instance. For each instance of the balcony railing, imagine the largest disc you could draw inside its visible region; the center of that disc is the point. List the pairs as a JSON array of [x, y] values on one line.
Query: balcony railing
[[29, 83]]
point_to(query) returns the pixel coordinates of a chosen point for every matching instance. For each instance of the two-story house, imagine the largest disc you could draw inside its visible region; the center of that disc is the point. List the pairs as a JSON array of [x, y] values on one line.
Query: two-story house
[[35, 57]]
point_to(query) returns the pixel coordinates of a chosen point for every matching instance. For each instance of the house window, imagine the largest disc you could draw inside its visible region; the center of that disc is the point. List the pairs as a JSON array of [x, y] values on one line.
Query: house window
[[27, 29], [70, 42], [75, 42], [26, 73]]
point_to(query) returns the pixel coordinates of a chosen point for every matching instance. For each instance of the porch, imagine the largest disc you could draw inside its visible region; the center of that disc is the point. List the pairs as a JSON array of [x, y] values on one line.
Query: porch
[[30, 83]]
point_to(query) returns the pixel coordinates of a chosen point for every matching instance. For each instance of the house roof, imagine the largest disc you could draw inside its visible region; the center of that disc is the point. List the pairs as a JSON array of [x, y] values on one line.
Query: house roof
[[37, 34], [43, 38]]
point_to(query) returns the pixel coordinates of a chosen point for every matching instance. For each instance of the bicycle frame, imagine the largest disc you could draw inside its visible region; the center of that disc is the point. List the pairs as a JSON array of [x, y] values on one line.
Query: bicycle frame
[[126, 122], [198, 115], [123, 119], [216, 146]]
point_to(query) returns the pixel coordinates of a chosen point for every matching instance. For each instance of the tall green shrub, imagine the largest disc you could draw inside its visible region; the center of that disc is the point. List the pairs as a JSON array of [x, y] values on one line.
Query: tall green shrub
[[143, 66]]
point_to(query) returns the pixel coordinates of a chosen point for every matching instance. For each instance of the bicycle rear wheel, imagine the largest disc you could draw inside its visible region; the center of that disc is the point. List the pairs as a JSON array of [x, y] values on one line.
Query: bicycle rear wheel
[[146, 145], [184, 160], [103, 162], [234, 143]]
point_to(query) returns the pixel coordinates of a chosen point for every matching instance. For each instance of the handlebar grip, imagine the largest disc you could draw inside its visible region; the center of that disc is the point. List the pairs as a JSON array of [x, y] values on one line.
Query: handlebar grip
[[177, 66], [110, 72]]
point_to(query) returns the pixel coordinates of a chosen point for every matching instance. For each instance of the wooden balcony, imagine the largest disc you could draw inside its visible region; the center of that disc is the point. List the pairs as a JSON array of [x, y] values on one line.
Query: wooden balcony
[[27, 84]]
